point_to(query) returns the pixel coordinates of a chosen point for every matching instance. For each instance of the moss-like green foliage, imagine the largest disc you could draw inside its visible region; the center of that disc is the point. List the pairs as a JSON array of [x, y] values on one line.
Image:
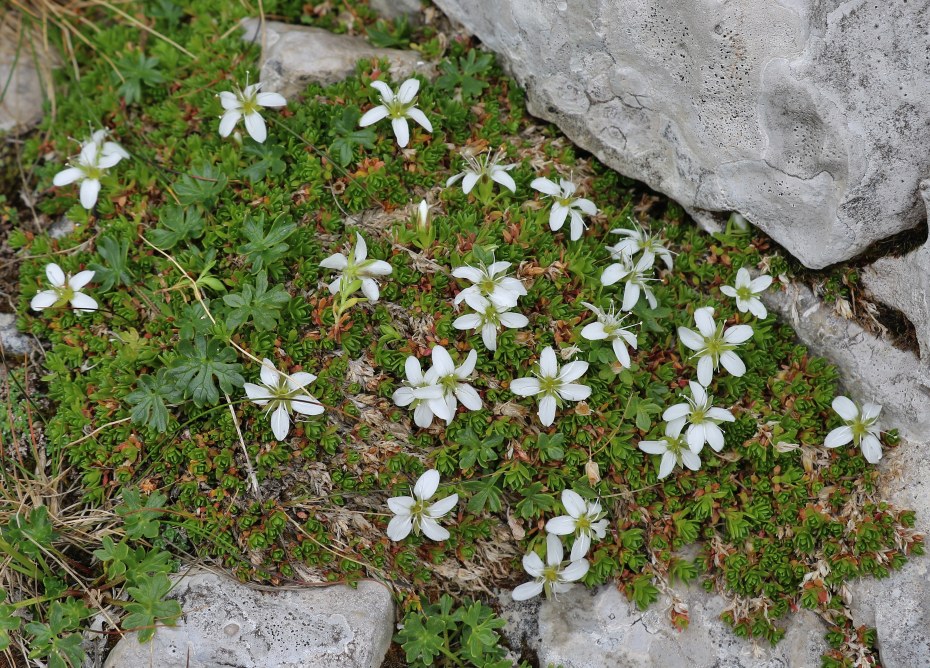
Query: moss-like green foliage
[[137, 392]]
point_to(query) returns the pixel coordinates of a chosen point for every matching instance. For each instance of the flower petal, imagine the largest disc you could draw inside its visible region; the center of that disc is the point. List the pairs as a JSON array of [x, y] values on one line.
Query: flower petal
[[67, 176], [408, 90], [419, 117], [871, 449], [525, 387], [82, 302], [442, 362], [271, 100], [399, 527], [255, 126], [547, 406], [228, 122], [845, 408], [386, 93], [80, 279], [839, 436], [732, 363], [561, 526], [280, 423], [503, 178], [426, 485], [432, 530], [43, 300], [554, 552], [573, 503], [90, 188], [401, 131], [574, 392], [545, 186], [55, 275], [573, 371], [527, 591], [548, 366], [690, 338], [737, 334], [443, 506], [704, 318], [373, 115]]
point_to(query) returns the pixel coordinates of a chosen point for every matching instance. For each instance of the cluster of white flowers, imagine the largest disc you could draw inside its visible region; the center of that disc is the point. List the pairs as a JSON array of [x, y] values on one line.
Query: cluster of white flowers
[[492, 294], [634, 265], [438, 391], [585, 521]]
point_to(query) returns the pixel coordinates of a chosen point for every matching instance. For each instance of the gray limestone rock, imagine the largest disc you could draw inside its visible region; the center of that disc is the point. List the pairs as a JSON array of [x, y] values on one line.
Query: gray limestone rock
[[21, 104], [899, 605], [872, 368], [808, 117], [228, 624], [903, 283], [394, 9], [601, 629], [295, 56], [13, 344]]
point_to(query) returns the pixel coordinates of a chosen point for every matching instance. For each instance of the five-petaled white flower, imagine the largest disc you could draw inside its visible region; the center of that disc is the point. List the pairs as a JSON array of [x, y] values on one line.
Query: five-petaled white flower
[[491, 282], [489, 318], [860, 428], [584, 520], [639, 240], [398, 108], [635, 276], [96, 157], [283, 394], [746, 290], [553, 577], [553, 384], [565, 204], [714, 345], [703, 418], [424, 397], [610, 328], [412, 513], [452, 379], [483, 170], [65, 290], [247, 104], [673, 448], [357, 271]]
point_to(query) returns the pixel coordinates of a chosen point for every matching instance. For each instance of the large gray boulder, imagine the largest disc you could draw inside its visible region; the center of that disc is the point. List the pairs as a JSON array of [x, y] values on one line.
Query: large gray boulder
[[807, 116], [226, 623], [21, 91]]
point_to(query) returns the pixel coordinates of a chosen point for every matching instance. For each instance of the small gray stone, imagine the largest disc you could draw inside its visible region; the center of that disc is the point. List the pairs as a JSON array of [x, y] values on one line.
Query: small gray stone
[[14, 344], [602, 629], [229, 624], [21, 105], [295, 56], [61, 228], [394, 9]]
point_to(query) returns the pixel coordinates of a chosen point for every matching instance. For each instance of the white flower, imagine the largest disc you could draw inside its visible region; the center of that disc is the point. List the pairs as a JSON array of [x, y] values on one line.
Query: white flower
[[424, 397], [413, 513], [356, 268], [714, 345], [489, 318], [553, 577], [860, 428], [283, 394], [639, 240], [674, 450], [565, 204], [584, 520], [423, 215], [65, 290], [484, 169], [398, 108], [95, 159], [553, 384], [610, 328], [108, 148], [745, 292], [247, 104], [636, 279], [701, 416], [491, 282], [450, 378]]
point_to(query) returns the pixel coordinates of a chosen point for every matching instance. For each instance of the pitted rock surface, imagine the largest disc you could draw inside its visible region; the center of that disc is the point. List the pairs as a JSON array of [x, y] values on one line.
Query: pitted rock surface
[[229, 624]]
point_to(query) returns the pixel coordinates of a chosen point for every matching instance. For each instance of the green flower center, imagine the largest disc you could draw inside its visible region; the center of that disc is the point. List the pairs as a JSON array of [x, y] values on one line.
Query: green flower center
[[397, 109], [583, 524], [744, 292], [548, 385], [550, 574]]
